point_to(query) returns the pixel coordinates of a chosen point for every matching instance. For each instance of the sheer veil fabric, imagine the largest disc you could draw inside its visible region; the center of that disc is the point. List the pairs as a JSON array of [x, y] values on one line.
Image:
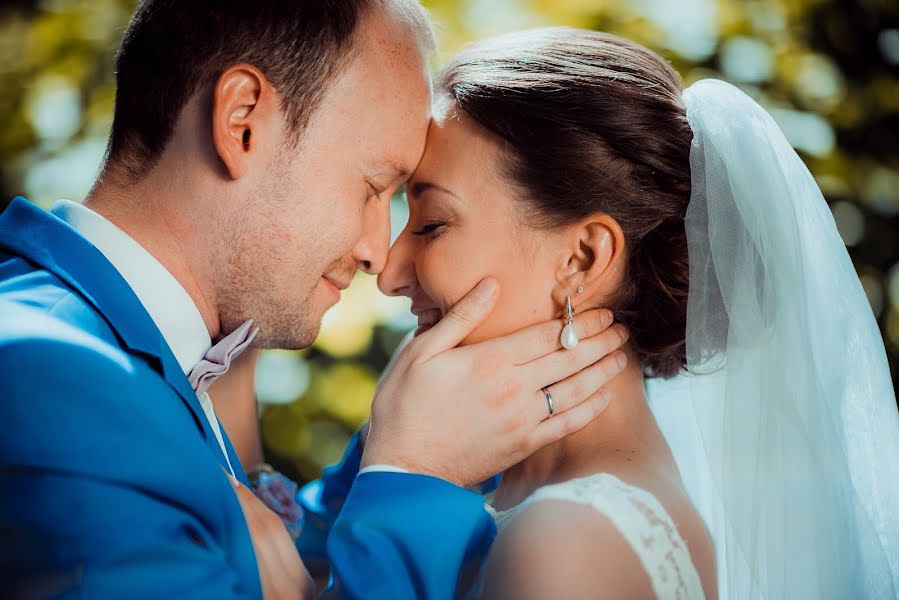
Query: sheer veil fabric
[[785, 429]]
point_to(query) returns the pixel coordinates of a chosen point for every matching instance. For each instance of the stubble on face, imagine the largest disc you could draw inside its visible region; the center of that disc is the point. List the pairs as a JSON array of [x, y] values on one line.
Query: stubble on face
[[253, 283], [306, 212]]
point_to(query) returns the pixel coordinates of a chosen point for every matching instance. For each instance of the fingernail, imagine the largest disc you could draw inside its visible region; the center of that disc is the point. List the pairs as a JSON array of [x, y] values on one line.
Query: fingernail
[[606, 318], [485, 290], [622, 360]]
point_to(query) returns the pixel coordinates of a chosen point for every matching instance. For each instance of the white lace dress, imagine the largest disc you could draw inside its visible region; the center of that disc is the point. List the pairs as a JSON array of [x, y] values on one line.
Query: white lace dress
[[641, 520]]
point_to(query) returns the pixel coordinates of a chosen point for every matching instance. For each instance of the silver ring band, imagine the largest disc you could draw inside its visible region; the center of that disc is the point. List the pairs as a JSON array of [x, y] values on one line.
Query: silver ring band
[[549, 401]]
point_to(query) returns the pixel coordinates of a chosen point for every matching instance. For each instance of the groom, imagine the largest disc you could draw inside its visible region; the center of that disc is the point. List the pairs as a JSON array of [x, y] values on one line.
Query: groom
[[252, 156]]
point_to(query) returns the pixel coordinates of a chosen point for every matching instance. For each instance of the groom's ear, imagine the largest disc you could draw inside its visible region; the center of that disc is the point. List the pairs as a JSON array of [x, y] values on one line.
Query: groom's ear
[[242, 105], [593, 261]]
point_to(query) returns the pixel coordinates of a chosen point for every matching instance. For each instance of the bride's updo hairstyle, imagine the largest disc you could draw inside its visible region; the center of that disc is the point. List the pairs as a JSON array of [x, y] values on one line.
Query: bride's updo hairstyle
[[591, 123]]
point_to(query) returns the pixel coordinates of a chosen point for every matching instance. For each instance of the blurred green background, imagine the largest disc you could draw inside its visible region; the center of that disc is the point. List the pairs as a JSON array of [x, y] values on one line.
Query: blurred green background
[[827, 71]]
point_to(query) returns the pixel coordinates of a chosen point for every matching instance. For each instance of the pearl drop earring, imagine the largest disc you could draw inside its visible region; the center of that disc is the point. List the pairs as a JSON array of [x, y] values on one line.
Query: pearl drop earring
[[569, 335]]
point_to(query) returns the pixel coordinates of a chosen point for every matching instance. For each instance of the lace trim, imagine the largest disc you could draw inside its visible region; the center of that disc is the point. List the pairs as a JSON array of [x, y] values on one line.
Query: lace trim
[[641, 520]]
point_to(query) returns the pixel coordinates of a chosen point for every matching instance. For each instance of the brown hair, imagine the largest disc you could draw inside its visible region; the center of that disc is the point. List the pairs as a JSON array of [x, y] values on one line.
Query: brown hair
[[172, 48], [592, 123]]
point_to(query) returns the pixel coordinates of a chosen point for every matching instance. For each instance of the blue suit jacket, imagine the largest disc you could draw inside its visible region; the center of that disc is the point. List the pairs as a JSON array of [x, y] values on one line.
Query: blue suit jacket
[[111, 481]]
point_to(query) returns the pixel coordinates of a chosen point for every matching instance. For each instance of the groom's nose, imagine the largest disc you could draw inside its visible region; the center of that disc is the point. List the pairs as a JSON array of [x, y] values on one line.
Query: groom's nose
[[370, 252]]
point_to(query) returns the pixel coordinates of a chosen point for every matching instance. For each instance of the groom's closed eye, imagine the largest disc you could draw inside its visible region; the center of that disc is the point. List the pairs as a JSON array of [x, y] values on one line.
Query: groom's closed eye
[[391, 174], [373, 190]]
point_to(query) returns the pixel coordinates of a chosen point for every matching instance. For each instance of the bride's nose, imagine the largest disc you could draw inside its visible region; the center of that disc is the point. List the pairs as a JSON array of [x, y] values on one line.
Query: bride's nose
[[370, 252], [398, 276]]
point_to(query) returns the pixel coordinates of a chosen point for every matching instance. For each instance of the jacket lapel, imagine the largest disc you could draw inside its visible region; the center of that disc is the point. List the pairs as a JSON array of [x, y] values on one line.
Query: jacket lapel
[[44, 239]]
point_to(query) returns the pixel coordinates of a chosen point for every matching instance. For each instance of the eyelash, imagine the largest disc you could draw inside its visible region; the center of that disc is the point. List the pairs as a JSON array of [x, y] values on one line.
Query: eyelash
[[429, 228]]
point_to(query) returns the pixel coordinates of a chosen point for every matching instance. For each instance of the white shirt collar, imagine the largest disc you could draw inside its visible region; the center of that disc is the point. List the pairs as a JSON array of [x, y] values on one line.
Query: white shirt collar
[[168, 303]]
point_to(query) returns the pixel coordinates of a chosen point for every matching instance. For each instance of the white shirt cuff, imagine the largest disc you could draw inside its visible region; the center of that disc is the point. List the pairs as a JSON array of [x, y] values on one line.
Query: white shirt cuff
[[382, 469]]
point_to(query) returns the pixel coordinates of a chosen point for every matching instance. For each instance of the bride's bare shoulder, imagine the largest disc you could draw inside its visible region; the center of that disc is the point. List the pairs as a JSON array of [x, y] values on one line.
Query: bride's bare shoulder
[[558, 549], [571, 539]]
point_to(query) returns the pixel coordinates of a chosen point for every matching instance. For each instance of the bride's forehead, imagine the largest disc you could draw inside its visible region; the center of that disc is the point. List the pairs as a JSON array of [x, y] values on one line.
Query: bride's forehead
[[458, 143]]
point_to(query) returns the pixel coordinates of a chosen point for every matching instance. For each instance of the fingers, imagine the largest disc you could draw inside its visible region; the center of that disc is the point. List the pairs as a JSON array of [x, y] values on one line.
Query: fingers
[[560, 425], [562, 364], [461, 320], [534, 342], [581, 386], [255, 525], [281, 571]]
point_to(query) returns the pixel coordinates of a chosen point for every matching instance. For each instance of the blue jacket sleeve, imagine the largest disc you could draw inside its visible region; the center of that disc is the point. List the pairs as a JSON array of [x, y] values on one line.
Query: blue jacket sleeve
[[321, 501], [407, 537]]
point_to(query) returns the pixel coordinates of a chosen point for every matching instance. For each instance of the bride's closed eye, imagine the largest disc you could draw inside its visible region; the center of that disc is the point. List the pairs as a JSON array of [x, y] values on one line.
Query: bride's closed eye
[[430, 228], [433, 209]]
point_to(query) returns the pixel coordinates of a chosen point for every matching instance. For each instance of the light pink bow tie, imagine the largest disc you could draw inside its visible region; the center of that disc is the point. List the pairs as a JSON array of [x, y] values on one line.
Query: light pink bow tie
[[218, 359]]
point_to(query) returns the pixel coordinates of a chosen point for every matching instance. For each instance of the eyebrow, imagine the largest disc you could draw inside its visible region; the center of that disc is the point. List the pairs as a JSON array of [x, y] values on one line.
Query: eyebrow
[[420, 187]]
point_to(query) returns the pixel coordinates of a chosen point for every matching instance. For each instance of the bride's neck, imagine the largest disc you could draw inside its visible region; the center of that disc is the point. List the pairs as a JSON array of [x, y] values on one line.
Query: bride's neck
[[623, 433]]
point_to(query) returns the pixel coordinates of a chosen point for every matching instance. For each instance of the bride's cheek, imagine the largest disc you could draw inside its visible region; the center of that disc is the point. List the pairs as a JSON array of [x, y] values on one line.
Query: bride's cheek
[[440, 274], [430, 270]]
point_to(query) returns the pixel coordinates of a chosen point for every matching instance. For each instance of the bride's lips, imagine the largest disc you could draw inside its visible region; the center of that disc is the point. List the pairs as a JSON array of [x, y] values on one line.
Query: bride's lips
[[427, 317]]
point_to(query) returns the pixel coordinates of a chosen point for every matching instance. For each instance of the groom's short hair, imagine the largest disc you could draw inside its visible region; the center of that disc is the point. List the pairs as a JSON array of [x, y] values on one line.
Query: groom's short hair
[[172, 48]]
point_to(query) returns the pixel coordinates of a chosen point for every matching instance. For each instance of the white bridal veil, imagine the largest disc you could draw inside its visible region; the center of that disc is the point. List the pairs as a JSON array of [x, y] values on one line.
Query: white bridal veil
[[786, 431]]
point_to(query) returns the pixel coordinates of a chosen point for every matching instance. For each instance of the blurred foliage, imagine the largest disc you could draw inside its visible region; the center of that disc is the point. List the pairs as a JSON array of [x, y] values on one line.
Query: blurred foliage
[[827, 70]]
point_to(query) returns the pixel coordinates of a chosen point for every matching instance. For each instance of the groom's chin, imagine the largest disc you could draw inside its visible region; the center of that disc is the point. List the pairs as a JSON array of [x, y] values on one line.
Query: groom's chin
[[295, 335], [293, 328]]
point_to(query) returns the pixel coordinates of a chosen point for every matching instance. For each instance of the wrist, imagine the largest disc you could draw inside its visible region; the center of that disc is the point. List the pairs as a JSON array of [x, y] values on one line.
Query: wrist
[[393, 462], [371, 459]]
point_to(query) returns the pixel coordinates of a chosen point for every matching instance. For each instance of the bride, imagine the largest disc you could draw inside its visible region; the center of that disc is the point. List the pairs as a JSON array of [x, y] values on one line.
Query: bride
[[574, 168]]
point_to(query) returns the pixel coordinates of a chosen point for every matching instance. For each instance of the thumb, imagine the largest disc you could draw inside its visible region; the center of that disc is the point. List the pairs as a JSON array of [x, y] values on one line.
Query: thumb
[[462, 319]]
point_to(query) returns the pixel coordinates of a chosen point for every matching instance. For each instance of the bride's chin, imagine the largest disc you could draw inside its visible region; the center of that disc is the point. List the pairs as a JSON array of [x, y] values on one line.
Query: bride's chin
[[421, 330]]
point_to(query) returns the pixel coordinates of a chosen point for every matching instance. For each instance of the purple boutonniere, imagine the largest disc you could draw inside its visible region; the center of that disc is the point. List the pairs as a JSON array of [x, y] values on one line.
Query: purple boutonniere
[[278, 493]]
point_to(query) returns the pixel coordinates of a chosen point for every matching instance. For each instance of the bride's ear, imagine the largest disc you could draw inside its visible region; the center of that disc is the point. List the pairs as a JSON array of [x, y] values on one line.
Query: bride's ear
[[594, 255]]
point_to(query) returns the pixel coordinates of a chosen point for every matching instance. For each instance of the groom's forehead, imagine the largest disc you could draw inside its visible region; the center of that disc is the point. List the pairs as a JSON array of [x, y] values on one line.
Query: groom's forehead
[[390, 166], [395, 169], [392, 115]]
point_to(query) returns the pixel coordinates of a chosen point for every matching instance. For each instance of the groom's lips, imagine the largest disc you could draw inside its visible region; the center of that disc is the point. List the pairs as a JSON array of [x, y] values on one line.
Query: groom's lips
[[340, 284], [337, 285], [427, 318]]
